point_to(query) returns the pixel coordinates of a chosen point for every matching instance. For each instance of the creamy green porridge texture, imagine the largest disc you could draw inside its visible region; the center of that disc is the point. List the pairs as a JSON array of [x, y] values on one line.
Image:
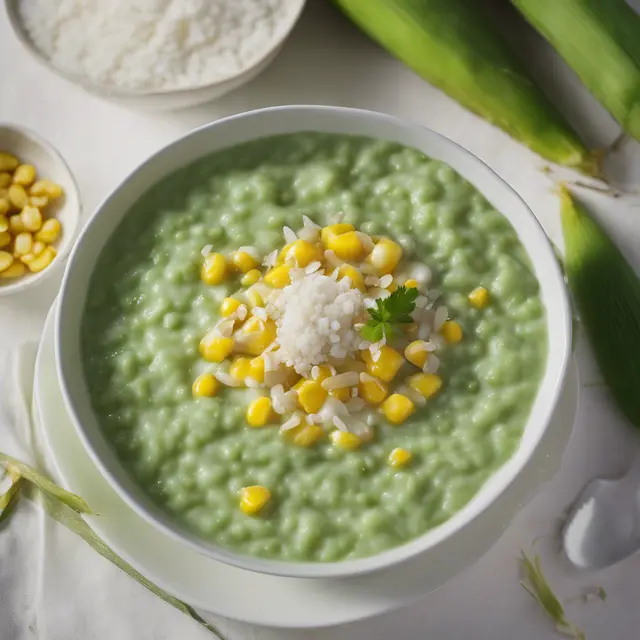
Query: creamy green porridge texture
[[147, 310]]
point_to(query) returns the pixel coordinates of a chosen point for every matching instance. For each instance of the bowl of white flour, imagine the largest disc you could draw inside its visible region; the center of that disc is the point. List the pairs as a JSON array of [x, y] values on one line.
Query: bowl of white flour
[[162, 54]]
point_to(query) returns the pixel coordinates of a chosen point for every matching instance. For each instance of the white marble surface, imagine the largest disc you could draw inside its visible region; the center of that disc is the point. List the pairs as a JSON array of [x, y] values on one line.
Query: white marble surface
[[327, 61]]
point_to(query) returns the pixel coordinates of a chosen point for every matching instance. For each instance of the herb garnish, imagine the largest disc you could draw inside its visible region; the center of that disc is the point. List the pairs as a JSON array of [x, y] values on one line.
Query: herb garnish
[[394, 310]]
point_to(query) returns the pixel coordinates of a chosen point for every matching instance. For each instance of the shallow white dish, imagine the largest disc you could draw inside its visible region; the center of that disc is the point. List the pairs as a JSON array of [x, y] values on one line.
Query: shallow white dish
[[279, 120], [222, 589], [31, 148], [169, 98]]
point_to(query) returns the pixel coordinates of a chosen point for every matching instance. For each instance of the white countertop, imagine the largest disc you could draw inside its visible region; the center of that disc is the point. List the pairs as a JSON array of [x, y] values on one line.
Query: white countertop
[[327, 61]]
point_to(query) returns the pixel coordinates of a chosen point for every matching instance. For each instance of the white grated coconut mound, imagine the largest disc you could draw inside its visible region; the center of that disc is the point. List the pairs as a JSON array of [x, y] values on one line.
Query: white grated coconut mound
[[314, 316], [146, 45]]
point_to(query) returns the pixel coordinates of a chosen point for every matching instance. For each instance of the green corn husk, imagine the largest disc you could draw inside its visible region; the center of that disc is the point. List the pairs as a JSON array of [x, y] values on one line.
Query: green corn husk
[[9, 499], [600, 41], [606, 290], [66, 508], [19, 469], [453, 45], [538, 587]]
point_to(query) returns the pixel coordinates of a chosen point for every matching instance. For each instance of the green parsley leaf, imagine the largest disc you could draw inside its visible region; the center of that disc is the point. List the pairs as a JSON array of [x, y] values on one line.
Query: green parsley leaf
[[394, 310], [374, 331]]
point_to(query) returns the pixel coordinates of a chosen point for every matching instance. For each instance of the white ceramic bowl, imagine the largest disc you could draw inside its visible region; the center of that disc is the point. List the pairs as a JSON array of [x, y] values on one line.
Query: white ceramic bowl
[[30, 148], [278, 120], [163, 99]]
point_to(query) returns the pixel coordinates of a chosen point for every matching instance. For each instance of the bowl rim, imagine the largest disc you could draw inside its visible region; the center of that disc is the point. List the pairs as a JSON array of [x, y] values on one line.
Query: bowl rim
[[134, 495], [22, 284], [119, 93]]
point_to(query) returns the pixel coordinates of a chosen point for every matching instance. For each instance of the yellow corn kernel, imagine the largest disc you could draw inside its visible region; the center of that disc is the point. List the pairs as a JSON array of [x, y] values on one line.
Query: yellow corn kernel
[[347, 271], [240, 368], [278, 277], [255, 336], [411, 283], [305, 435], [38, 263], [253, 499], [8, 162], [15, 224], [311, 396], [46, 188], [243, 261], [343, 394], [399, 458], [214, 269], [323, 372], [397, 408], [426, 384], [205, 385], [38, 247], [38, 201], [373, 391], [416, 353], [215, 348], [31, 218], [387, 365], [479, 298], [345, 440], [5, 238], [256, 369], [4, 206], [229, 306], [385, 256], [451, 331], [6, 260], [49, 231], [346, 246], [5, 179], [303, 252], [22, 244], [252, 325], [335, 230], [255, 299], [259, 412], [299, 384], [25, 175], [251, 277], [16, 270], [4, 223], [18, 196], [283, 253]]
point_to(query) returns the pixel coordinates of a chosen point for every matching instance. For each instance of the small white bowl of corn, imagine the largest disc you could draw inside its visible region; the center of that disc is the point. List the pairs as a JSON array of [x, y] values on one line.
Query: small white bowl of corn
[[39, 209]]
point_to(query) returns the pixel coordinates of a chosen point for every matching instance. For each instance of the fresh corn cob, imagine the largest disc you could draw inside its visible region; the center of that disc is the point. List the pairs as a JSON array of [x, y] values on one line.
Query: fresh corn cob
[[607, 292], [600, 41], [452, 44]]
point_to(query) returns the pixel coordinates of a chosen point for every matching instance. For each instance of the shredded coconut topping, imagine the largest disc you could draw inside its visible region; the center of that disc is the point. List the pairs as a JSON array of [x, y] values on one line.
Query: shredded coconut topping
[[314, 316]]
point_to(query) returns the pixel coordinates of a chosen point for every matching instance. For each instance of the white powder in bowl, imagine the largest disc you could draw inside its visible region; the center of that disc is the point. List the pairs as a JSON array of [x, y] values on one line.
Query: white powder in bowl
[[155, 45]]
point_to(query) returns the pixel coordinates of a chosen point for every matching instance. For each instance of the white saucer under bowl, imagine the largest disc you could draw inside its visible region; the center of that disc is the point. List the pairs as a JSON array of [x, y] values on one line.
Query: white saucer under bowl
[[284, 602]]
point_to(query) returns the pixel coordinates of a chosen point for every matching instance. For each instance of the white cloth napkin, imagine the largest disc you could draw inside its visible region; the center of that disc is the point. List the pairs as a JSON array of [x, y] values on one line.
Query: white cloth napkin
[[53, 586]]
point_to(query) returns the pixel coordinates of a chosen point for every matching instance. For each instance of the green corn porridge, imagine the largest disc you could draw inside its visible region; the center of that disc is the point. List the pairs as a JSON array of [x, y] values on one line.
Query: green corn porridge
[[148, 309]]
